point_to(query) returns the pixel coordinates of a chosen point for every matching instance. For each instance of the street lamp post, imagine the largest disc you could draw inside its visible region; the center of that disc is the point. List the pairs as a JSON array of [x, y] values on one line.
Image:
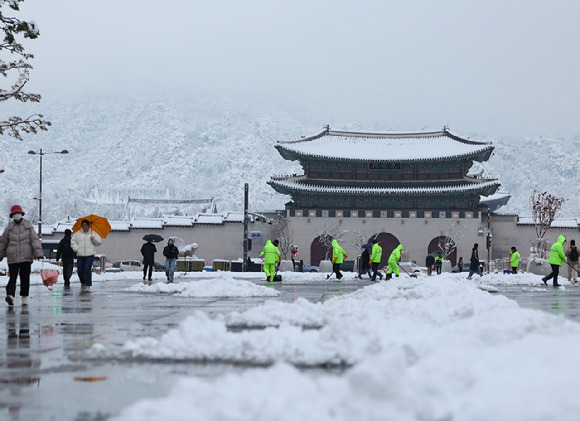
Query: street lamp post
[[41, 153]]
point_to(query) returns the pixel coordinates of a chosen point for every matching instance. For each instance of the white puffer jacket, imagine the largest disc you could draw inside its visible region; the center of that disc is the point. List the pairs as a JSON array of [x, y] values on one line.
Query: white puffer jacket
[[82, 244]]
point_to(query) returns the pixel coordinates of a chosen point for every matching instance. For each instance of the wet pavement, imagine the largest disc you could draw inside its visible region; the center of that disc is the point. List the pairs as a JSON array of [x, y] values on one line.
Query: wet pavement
[[559, 301], [43, 375]]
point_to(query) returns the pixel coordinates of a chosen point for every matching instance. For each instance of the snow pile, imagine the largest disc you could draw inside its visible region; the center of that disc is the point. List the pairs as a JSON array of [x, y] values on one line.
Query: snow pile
[[220, 287], [420, 349]]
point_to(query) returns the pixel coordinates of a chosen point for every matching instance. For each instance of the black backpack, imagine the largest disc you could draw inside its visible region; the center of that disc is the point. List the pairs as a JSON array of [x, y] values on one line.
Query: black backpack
[[574, 255]]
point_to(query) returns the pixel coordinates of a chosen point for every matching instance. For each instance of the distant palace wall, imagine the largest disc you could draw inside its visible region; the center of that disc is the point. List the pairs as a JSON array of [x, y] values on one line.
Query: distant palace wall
[[224, 241]]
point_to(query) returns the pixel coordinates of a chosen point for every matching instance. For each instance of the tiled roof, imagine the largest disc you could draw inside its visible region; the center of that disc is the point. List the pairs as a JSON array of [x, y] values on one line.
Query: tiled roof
[[385, 147], [299, 185]]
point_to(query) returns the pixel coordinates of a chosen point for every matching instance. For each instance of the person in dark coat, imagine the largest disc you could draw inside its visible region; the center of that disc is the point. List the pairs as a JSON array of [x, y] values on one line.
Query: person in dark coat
[[429, 262], [460, 264], [170, 252], [474, 262], [67, 254], [365, 266], [148, 251]]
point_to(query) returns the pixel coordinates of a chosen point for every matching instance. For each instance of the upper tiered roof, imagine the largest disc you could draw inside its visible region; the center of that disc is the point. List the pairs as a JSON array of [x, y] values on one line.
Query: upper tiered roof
[[385, 147]]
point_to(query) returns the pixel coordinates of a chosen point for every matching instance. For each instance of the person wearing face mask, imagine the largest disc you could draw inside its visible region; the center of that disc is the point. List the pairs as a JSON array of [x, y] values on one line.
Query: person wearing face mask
[[21, 245]]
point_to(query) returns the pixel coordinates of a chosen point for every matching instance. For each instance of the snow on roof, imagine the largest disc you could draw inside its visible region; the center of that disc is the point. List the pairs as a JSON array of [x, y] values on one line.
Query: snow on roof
[[210, 218], [179, 221], [465, 187], [422, 146], [147, 223], [234, 217], [61, 227], [119, 225], [558, 223]]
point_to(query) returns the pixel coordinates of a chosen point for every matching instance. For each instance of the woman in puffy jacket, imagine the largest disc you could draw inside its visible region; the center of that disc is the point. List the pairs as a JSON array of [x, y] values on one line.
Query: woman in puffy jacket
[[83, 243], [21, 245]]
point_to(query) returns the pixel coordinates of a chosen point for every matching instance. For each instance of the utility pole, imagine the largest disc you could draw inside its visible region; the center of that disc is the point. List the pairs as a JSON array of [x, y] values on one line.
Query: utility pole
[[245, 262]]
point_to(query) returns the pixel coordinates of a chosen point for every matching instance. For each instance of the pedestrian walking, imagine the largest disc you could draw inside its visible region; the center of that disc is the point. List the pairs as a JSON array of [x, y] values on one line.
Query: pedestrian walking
[[572, 257], [474, 262], [67, 254], [271, 255], [365, 265], [557, 256], [515, 260], [170, 252], [438, 263], [148, 251], [394, 262], [21, 245], [83, 243], [430, 263], [338, 256], [376, 255]]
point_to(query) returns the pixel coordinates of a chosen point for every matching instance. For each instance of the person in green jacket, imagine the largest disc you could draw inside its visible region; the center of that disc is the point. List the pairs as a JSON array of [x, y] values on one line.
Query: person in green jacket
[[555, 260], [377, 253], [515, 260], [439, 263], [338, 256], [394, 262], [271, 255]]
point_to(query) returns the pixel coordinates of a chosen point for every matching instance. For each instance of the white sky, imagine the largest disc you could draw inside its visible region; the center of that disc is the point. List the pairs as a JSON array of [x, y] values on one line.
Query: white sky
[[503, 66]]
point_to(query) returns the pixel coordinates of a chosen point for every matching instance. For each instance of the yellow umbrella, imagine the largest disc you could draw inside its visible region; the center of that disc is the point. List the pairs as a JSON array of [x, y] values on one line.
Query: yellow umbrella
[[99, 224]]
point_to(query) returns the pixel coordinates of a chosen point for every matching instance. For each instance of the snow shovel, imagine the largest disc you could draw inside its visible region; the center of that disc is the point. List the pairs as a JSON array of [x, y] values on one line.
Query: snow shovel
[[277, 278], [411, 275]]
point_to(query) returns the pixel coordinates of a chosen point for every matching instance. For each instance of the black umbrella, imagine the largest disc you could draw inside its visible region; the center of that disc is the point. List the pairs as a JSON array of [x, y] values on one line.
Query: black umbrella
[[155, 238]]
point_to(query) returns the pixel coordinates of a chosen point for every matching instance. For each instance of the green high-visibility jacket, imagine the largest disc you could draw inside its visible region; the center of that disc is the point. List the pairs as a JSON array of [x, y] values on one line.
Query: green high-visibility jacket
[[557, 255], [395, 256], [515, 259], [338, 253], [377, 253], [270, 253]]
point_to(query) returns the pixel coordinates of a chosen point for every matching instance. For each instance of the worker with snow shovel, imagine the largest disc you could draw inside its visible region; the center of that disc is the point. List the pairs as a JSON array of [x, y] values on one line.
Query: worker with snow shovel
[[394, 262]]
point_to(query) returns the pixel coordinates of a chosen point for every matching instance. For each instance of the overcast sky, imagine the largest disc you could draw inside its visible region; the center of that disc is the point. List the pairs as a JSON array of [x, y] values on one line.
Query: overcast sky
[[502, 66]]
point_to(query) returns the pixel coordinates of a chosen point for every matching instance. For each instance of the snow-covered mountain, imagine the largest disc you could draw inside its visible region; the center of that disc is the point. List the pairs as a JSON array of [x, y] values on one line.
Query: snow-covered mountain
[[202, 148]]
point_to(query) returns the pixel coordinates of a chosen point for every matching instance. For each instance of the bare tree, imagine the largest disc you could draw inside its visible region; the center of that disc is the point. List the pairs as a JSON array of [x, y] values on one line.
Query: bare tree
[[545, 209], [17, 69], [361, 236], [333, 232], [285, 235], [450, 240]]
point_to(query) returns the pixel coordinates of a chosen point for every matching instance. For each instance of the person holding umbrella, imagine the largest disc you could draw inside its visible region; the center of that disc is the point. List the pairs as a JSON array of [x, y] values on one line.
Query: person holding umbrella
[[170, 252], [83, 243], [148, 251], [365, 258], [21, 245]]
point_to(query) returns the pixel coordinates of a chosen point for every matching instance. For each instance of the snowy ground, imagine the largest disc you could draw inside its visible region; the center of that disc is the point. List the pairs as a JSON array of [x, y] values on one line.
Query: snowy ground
[[432, 348]]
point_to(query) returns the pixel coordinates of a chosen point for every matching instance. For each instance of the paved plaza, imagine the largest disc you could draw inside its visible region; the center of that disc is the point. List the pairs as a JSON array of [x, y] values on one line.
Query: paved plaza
[[46, 376]]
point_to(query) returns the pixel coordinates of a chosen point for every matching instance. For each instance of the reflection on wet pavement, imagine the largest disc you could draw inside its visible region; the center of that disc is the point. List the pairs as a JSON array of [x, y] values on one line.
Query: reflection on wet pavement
[[45, 375], [564, 301]]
